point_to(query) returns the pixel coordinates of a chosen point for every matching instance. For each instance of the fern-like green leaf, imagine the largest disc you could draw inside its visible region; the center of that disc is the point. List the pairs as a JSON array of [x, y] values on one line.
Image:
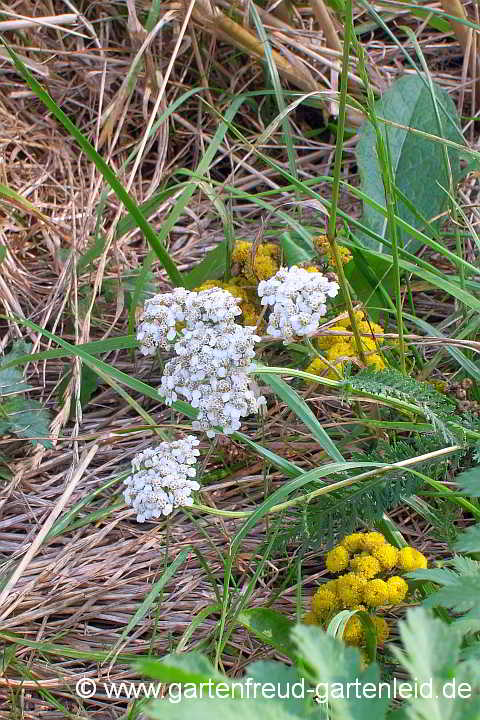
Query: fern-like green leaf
[[340, 512], [437, 408]]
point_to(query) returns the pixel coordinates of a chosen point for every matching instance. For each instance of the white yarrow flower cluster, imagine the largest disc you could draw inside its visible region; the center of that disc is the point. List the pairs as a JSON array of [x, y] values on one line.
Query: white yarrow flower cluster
[[298, 299], [161, 478], [213, 355]]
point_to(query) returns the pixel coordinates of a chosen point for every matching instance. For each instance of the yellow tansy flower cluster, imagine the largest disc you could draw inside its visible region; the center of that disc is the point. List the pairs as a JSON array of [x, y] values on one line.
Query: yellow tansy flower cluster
[[252, 267], [259, 265], [339, 349], [250, 311], [323, 247], [363, 562]]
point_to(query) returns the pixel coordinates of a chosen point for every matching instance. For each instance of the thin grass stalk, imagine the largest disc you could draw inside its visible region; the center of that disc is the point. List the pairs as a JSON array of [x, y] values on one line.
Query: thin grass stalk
[[332, 219]]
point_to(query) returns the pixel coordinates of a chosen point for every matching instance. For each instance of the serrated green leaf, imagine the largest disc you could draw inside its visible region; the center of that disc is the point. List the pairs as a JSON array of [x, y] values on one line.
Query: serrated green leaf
[[211, 707], [469, 540], [25, 418], [417, 164], [330, 664], [469, 482], [11, 380], [191, 668], [460, 594], [431, 655]]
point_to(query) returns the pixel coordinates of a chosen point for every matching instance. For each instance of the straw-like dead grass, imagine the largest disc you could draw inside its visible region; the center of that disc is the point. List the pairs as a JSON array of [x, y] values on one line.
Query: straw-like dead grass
[[81, 588]]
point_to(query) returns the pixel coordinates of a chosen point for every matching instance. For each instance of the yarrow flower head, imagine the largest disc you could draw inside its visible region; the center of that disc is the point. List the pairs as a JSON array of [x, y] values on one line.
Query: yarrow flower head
[[161, 478], [298, 300], [213, 355]]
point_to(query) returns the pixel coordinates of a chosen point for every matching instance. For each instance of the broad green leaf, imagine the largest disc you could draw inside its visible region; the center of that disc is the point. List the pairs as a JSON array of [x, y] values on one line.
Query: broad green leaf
[[417, 164], [217, 706], [288, 684], [460, 591], [431, 652], [211, 267], [270, 626], [296, 249], [191, 668], [25, 418], [331, 666], [469, 481]]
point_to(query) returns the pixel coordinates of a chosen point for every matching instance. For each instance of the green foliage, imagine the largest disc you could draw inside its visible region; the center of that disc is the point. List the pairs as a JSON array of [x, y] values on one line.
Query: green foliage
[[435, 406], [469, 481], [19, 415], [88, 384], [340, 512], [418, 167], [269, 626], [460, 584], [327, 676]]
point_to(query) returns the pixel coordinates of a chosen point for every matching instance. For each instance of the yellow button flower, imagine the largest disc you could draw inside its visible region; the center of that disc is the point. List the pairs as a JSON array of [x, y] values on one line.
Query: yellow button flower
[[359, 315], [372, 540], [310, 618], [387, 556], [366, 566], [350, 589], [397, 589], [353, 633], [353, 542], [375, 593], [323, 602], [411, 559], [337, 559]]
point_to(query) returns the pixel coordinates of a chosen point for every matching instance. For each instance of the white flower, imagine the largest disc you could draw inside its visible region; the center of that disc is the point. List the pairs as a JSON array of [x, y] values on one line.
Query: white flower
[[160, 478], [298, 301], [212, 355]]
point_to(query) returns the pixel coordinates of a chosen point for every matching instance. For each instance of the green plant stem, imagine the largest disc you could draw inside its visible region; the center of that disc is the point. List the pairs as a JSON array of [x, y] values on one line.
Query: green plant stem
[[332, 218]]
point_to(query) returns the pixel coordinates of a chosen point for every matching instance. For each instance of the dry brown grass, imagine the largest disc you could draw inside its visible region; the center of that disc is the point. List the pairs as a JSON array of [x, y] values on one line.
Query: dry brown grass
[[80, 589]]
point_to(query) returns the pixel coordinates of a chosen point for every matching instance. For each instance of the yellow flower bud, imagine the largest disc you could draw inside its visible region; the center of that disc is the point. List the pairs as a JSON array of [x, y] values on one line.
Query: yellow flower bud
[[365, 565]]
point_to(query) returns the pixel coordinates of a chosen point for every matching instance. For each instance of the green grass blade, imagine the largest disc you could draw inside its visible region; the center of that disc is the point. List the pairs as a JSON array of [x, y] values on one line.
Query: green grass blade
[[157, 588], [107, 172], [300, 408]]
